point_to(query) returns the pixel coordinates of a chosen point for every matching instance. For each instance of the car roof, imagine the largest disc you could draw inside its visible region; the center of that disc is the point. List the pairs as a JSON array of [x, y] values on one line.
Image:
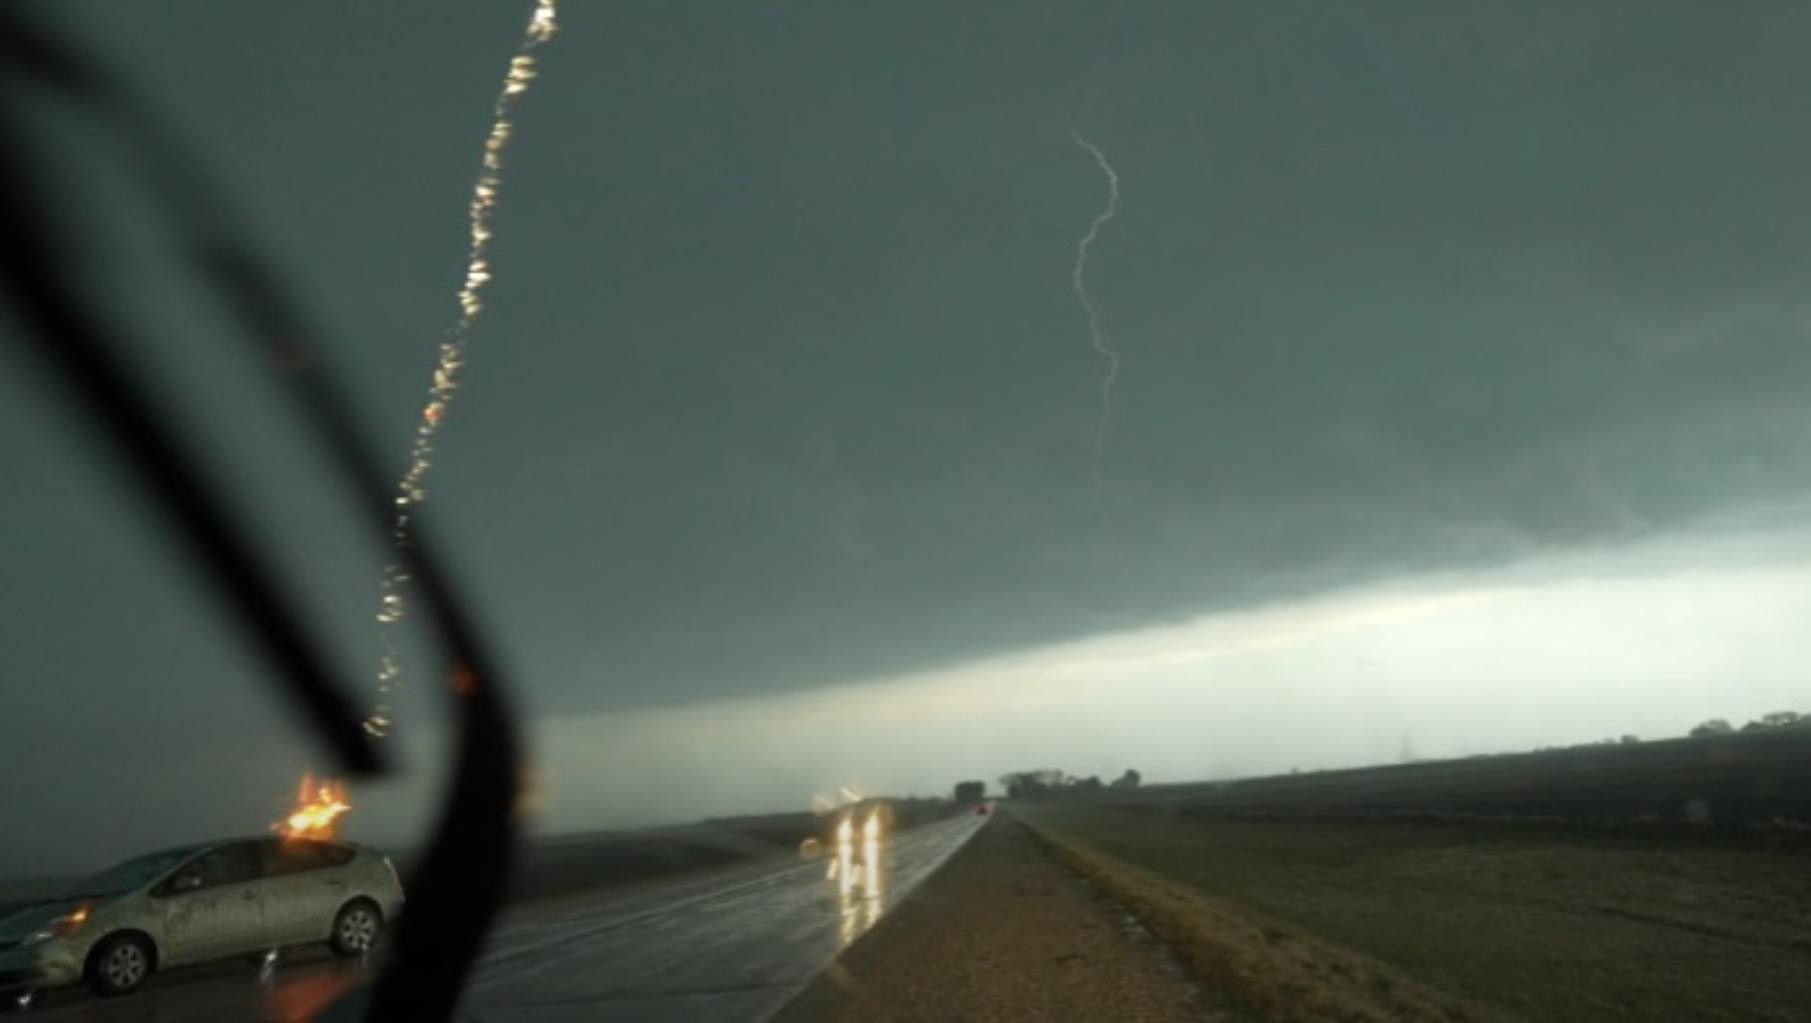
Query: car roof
[[198, 847], [176, 850]]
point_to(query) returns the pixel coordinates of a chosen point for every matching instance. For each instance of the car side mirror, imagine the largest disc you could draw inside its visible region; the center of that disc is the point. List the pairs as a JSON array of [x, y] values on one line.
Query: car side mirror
[[185, 882]]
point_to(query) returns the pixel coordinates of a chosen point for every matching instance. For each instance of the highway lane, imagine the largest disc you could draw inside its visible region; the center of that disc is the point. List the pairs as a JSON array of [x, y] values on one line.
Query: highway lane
[[730, 951], [731, 945]]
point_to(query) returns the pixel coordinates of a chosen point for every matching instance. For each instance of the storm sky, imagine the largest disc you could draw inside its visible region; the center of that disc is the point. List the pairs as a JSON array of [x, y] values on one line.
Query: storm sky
[[1463, 405]]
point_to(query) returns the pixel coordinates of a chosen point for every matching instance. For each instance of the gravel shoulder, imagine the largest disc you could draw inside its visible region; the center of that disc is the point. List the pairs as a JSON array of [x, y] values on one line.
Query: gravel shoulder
[[1003, 932]]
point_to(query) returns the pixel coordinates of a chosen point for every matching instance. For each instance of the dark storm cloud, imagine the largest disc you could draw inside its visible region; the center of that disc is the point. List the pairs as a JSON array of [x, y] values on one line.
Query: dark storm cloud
[[1400, 288], [782, 382]]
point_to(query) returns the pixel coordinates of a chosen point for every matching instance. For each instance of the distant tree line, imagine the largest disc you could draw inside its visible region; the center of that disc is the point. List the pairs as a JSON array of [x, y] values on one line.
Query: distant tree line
[[1766, 722], [1715, 726], [1052, 782]]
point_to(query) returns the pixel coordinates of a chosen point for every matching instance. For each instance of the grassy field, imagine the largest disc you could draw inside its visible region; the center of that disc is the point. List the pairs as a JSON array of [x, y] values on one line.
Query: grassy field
[[1739, 782], [1460, 920]]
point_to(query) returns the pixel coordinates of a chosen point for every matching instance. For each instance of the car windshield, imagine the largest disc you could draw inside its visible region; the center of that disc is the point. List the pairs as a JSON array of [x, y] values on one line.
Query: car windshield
[[612, 506], [134, 873]]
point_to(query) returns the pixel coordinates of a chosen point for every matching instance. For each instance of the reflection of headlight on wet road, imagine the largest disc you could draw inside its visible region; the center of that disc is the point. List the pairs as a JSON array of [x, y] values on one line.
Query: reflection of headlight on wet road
[[874, 889], [859, 876]]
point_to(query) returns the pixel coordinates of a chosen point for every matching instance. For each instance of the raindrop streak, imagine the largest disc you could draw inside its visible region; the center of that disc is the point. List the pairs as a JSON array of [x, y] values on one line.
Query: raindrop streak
[[1097, 337], [411, 489]]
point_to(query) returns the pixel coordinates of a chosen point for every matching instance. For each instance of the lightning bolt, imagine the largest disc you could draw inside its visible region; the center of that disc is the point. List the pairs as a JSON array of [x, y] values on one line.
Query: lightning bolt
[[1096, 336], [411, 489]]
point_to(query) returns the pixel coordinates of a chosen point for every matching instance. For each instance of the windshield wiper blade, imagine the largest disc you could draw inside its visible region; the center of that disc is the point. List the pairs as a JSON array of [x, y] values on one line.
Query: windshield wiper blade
[[459, 884]]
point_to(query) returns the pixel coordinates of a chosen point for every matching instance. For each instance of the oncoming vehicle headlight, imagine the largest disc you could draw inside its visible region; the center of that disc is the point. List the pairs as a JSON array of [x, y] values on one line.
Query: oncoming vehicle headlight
[[68, 923]]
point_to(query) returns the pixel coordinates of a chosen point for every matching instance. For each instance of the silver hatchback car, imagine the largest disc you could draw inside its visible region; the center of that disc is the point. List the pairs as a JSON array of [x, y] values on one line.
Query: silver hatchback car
[[199, 903]]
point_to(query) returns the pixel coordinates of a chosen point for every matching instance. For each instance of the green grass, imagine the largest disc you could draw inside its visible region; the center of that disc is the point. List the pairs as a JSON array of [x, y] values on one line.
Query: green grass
[[1534, 923]]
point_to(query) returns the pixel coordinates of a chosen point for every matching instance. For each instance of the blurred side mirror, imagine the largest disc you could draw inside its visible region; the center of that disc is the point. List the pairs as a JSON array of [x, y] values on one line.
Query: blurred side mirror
[[185, 882]]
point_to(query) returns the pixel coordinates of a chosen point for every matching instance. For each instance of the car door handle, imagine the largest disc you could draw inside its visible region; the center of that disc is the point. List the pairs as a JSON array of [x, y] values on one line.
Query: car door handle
[[248, 896], [334, 883]]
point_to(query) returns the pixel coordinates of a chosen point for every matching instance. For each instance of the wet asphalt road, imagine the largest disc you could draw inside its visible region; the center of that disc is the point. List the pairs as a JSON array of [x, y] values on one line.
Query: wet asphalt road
[[731, 945]]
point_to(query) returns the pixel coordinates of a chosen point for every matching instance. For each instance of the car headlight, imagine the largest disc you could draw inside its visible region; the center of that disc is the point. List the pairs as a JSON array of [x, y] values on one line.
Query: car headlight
[[68, 923]]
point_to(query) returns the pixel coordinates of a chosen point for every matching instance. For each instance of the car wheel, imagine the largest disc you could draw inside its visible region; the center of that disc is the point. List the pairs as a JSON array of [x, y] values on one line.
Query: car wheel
[[118, 965], [356, 928]]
